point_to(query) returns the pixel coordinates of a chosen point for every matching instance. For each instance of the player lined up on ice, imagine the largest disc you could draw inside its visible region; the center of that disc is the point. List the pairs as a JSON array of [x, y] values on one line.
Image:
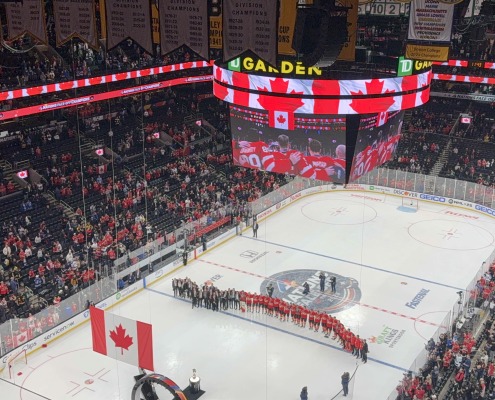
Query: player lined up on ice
[[215, 299], [302, 316], [208, 296]]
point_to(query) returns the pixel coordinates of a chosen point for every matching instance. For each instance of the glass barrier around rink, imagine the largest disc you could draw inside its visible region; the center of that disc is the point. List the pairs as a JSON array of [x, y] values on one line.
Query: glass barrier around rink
[[16, 331], [445, 187]]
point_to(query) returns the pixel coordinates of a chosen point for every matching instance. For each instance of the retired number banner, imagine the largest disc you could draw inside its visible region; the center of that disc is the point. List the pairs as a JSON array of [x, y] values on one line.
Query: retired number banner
[[184, 23], [26, 17], [129, 18], [75, 18], [430, 21], [250, 25]]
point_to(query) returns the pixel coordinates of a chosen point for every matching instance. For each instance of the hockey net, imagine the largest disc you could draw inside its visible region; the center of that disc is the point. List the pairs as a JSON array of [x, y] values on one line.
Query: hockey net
[[408, 202], [14, 363]]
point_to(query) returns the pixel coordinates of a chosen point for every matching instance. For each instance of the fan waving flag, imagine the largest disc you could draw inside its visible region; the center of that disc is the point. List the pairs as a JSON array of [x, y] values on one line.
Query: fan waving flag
[[122, 338]]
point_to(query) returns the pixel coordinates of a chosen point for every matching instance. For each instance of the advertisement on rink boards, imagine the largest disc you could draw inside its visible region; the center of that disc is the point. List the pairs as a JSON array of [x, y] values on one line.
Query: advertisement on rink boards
[[306, 146]]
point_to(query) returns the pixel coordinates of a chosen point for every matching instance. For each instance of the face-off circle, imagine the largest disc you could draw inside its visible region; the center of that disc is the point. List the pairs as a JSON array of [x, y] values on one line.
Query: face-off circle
[[288, 287]]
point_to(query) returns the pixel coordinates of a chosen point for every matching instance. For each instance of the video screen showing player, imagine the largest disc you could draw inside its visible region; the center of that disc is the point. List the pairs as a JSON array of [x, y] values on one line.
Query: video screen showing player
[[377, 140], [315, 149]]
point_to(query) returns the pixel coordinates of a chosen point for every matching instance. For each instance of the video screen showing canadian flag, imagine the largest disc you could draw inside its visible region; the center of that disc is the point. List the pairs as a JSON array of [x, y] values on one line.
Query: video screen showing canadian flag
[[377, 140], [296, 144]]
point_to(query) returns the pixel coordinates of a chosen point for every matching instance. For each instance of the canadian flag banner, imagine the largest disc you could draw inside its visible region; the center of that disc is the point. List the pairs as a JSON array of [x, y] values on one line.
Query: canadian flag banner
[[102, 169], [381, 119], [281, 120], [122, 338], [21, 338]]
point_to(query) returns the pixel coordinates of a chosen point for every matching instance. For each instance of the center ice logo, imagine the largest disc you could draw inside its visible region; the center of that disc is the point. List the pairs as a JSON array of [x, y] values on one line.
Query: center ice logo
[[288, 286]]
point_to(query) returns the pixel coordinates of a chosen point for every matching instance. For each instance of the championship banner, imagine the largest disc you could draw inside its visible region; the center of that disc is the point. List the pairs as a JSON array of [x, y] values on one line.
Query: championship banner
[[216, 32], [184, 24], [348, 52], [427, 53], [155, 23], [75, 18], [250, 25], [430, 21], [129, 19], [26, 17], [473, 9], [286, 23]]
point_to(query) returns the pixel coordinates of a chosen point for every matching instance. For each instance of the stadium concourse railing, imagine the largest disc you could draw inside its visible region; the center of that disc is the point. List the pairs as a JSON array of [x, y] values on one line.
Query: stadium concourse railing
[[468, 313]]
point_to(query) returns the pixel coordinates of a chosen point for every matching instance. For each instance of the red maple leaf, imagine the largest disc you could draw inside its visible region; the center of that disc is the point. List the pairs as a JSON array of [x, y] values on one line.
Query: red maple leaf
[[445, 77], [21, 339], [121, 76], [373, 87], [372, 339], [95, 81], [281, 119], [66, 85], [476, 79], [33, 91], [120, 338], [279, 86], [220, 91]]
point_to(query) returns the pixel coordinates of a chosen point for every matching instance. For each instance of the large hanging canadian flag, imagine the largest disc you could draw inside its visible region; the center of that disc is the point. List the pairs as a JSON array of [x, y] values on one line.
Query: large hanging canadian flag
[[122, 338]]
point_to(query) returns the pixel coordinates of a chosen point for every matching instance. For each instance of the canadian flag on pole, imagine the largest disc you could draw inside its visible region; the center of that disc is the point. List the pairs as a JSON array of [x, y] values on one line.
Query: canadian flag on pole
[[381, 119], [281, 120], [122, 338]]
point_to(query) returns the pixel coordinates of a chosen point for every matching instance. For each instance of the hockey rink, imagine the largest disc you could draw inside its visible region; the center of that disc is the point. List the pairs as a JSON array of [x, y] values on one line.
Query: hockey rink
[[398, 274]]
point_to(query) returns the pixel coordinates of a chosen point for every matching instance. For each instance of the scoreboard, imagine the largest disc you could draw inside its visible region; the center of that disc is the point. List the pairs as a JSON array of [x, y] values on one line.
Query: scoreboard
[[384, 8]]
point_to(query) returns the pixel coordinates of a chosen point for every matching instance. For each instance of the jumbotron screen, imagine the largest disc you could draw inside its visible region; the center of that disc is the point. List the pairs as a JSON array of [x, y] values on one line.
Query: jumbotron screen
[[311, 147], [377, 140]]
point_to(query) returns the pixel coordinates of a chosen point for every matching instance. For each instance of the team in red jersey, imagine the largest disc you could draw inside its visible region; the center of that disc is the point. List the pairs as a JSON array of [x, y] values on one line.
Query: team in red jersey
[[376, 153], [210, 297], [302, 316], [278, 157]]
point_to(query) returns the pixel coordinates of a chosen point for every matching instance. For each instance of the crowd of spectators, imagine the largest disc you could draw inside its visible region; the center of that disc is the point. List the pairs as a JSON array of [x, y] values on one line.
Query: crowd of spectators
[[116, 207]]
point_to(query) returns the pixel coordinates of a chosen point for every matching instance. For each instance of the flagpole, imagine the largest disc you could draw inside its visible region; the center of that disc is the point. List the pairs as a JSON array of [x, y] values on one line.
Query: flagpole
[[11, 332]]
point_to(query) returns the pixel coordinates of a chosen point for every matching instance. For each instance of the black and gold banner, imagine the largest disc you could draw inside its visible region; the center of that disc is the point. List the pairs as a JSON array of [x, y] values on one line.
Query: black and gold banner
[[129, 18], [75, 18], [250, 25], [184, 23], [26, 17]]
